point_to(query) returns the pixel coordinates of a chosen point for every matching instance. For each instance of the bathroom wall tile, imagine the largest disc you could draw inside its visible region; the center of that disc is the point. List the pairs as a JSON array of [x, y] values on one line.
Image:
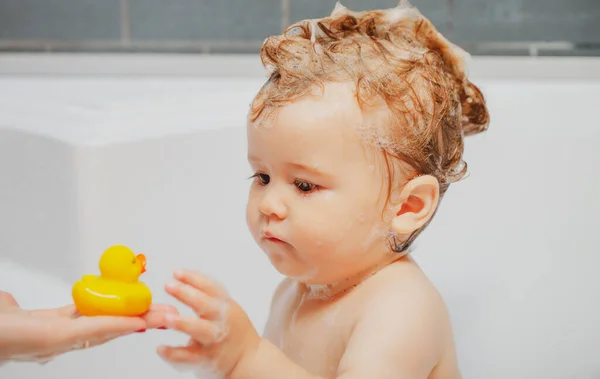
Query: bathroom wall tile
[[204, 19], [59, 19], [434, 10], [234, 26], [526, 20]]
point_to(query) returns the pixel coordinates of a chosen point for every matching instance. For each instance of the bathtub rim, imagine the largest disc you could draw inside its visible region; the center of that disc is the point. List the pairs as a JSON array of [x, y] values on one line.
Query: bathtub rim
[[249, 65]]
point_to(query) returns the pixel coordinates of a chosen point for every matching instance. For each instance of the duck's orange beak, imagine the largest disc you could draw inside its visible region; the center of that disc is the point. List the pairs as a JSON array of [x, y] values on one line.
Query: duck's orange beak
[[142, 259]]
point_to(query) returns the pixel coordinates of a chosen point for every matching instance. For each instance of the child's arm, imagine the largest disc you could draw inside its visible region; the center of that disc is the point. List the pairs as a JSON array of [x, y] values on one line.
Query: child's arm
[[398, 337], [268, 362], [401, 336]]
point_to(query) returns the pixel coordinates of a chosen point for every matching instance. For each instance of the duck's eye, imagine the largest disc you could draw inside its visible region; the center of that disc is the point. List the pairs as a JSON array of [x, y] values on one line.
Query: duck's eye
[[133, 261]]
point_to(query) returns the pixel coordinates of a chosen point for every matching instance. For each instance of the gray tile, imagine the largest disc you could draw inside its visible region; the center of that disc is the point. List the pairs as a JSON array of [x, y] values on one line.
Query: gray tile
[[306, 9], [59, 19], [526, 20], [434, 10], [204, 19]]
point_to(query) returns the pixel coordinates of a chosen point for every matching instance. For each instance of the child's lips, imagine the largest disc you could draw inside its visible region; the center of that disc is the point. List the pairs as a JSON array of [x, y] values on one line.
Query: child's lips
[[271, 238]]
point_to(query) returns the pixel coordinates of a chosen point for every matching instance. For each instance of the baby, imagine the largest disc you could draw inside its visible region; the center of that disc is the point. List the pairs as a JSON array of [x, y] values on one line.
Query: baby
[[354, 139]]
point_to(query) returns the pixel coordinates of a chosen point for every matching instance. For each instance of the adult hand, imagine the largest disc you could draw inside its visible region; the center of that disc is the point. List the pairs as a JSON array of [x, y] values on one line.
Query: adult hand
[[40, 335]]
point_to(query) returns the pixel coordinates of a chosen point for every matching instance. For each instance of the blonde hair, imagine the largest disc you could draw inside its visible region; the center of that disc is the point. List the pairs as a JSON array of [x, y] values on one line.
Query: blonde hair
[[395, 56]]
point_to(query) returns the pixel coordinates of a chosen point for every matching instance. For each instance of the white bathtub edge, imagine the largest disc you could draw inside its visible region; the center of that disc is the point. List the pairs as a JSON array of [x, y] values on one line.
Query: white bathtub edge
[[249, 65]]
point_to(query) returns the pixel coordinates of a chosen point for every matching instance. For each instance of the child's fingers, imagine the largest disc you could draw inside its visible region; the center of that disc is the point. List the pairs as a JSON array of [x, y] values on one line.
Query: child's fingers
[[167, 308], [7, 300], [156, 316], [203, 331], [201, 282], [202, 304], [180, 354], [189, 358]]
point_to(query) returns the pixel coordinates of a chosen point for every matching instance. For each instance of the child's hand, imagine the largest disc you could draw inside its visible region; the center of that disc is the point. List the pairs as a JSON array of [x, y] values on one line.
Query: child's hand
[[221, 334]]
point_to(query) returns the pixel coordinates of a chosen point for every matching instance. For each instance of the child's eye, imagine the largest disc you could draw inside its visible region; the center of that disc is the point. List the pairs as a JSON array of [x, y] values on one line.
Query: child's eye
[[305, 186], [264, 179]]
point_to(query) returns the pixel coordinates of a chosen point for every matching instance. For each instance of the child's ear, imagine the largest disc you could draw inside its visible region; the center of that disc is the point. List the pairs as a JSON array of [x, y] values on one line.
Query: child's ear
[[418, 201]]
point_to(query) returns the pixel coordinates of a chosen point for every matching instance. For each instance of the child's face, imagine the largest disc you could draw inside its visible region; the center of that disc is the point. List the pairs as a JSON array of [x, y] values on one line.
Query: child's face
[[315, 205]]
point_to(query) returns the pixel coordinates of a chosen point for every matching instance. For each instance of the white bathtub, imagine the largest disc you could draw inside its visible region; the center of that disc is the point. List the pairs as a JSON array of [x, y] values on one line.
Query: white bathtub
[[157, 162]]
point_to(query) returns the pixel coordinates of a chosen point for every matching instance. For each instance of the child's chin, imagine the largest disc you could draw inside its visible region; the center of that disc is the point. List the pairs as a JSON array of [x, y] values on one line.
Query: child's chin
[[286, 266], [300, 274]]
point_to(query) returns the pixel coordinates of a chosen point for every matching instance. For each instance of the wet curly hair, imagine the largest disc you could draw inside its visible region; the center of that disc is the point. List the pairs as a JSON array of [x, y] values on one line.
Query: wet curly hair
[[394, 57]]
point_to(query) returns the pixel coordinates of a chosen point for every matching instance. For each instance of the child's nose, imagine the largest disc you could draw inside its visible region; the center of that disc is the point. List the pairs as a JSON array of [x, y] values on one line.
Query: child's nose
[[272, 205]]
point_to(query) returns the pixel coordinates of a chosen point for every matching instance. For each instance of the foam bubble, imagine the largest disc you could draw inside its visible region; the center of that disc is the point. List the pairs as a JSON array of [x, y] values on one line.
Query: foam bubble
[[320, 291], [338, 10]]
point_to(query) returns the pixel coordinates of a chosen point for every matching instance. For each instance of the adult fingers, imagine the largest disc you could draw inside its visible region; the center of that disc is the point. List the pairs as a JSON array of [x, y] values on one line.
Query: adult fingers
[[102, 328], [203, 304], [68, 311], [201, 282]]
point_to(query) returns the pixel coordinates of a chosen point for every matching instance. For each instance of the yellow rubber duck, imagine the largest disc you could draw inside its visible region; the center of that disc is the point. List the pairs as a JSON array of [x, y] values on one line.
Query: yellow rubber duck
[[117, 291]]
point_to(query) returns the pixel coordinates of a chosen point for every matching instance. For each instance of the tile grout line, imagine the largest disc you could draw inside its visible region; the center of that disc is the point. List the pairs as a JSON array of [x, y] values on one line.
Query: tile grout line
[[125, 24], [285, 14]]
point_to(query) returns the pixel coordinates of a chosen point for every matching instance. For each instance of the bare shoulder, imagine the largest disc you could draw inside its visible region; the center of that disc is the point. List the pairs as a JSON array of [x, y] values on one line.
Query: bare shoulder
[[403, 329], [404, 288]]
